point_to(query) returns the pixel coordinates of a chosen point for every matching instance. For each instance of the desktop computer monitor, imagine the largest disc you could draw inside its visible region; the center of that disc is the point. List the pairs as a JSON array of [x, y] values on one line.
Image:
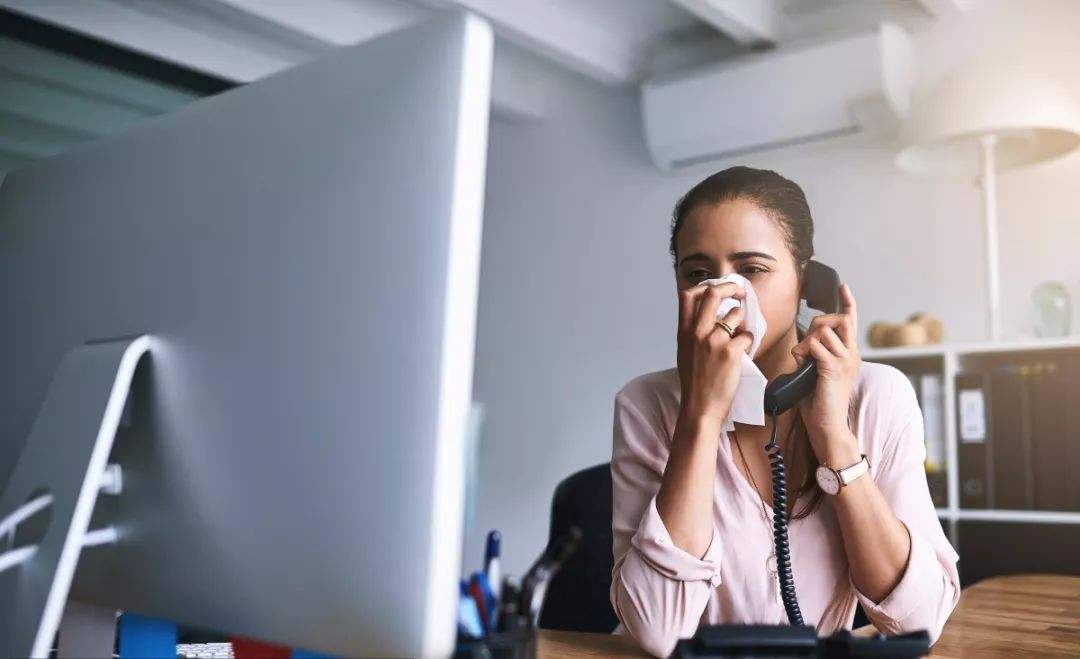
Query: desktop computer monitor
[[304, 253]]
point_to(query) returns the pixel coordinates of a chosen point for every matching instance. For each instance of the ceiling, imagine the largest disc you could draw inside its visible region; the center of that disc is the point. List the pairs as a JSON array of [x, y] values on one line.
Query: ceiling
[[49, 101]]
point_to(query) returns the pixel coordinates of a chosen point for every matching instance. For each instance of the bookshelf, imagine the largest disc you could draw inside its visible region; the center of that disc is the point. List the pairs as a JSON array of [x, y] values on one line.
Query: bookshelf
[[949, 360], [939, 350], [1031, 516]]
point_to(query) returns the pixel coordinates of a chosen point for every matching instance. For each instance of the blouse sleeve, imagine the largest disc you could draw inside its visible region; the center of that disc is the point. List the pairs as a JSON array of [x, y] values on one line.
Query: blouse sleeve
[[929, 588], [658, 590]]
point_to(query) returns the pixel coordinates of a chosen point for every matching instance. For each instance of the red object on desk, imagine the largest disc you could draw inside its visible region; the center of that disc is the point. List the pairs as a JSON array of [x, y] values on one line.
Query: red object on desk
[[246, 648], [477, 594]]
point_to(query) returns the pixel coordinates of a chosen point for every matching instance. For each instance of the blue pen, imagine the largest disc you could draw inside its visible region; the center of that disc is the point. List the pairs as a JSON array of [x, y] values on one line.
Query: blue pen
[[492, 564]]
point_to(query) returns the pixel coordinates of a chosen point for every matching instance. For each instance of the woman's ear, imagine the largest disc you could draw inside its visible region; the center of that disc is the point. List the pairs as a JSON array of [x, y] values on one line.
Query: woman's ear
[[800, 279]]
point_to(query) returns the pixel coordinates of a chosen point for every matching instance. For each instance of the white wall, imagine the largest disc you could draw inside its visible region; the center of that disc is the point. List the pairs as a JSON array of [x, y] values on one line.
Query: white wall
[[578, 295]]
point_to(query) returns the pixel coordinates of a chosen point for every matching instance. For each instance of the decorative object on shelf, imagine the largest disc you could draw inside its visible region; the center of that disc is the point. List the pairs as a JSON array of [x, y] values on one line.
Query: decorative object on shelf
[[1051, 310], [982, 119], [918, 330], [935, 329]]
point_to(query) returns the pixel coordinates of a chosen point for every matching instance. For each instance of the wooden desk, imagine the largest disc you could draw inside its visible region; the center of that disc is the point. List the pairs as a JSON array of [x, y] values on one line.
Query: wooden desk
[[1029, 615]]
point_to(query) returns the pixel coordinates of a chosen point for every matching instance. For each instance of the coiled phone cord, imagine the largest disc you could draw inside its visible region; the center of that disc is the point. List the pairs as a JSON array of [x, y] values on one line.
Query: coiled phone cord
[[780, 530]]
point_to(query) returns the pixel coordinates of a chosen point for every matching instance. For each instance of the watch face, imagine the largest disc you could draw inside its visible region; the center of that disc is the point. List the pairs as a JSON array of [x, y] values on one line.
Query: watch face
[[827, 480]]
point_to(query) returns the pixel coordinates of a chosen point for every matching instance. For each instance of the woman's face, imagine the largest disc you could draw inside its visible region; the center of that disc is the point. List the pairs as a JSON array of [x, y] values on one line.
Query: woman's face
[[738, 236]]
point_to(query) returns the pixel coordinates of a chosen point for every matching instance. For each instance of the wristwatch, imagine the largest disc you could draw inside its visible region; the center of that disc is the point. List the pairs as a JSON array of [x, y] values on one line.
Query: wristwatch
[[831, 480]]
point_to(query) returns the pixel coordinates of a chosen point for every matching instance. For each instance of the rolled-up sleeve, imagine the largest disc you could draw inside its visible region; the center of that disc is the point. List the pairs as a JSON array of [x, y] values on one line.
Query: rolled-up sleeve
[[929, 587], [658, 590]]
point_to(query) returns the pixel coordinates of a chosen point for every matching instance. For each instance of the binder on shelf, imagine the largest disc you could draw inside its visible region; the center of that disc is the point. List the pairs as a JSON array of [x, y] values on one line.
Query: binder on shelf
[[932, 404], [974, 456], [1055, 426], [1010, 424]]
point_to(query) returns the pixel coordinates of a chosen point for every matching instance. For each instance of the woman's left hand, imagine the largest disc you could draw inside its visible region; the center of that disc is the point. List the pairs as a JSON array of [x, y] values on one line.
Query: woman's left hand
[[832, 340]]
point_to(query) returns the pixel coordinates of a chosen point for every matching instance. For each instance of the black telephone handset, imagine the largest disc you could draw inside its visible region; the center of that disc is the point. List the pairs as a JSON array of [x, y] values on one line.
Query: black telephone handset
[[821, 290]]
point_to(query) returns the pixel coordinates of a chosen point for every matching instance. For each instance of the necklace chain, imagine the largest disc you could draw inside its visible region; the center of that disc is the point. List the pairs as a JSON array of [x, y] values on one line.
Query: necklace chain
[[770, 562], [753, 481]]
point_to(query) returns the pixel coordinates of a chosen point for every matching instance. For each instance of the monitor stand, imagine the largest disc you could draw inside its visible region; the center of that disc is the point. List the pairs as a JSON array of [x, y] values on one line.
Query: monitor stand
[[53, 489], [87, 630]]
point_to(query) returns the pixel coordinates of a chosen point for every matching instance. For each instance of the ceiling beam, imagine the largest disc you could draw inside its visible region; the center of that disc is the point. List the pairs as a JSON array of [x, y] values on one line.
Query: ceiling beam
[[323, 22], [17, 59], [244, 40], [571, 33], [41, 101], [155, 36], [944, 8], [340, 23], [752, 23]]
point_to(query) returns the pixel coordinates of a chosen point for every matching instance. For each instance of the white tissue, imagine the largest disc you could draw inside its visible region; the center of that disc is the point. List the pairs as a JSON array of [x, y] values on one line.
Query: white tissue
[[748, 405]]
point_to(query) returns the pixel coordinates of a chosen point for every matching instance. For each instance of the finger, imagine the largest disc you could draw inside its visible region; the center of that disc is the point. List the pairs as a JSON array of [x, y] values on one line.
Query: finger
[[847, 301], [706, 314], [818, 351], [831, 340], [799, 356], [841, 323], [824, 320], [845, 329], [688, 302], [741, 341], [734, 318], [800, 351], [706, 311], [849, 328], [728, 289]]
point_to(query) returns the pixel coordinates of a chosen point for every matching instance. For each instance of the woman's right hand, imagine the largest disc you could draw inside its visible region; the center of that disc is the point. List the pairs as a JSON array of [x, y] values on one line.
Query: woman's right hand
[[709, 361]]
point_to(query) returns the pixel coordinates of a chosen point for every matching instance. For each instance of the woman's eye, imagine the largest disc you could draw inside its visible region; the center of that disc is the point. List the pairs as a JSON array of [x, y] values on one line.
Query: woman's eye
[[704, 274]]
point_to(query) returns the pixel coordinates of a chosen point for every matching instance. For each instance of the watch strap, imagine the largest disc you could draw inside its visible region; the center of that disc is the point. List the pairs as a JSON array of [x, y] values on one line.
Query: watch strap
[[850, 473]]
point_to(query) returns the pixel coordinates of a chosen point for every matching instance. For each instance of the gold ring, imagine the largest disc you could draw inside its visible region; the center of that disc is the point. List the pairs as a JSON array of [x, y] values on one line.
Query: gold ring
[[727, 328]]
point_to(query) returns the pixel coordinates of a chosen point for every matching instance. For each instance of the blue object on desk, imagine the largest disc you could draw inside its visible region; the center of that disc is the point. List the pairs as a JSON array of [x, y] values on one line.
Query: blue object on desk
[[492, 563], [487, 598], [298, 653], [142, 637], [468, 614]]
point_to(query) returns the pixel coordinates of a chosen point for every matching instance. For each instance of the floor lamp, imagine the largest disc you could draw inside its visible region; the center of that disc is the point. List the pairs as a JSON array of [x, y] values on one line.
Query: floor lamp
[[982, 120]]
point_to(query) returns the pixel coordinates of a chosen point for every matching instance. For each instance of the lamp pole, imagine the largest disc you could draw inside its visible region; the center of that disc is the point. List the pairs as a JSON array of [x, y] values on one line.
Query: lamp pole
[[990, 215]]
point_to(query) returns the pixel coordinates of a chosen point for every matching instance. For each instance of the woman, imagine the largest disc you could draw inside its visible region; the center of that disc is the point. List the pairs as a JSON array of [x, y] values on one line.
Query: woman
[[693, 506]]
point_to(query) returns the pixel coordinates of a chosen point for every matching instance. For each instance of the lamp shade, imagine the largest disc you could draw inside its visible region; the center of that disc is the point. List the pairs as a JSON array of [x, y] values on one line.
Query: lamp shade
[[1032, 117]]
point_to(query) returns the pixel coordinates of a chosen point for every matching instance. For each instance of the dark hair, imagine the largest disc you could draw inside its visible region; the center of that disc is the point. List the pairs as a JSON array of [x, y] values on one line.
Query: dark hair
[[781, 198], [784, 201]]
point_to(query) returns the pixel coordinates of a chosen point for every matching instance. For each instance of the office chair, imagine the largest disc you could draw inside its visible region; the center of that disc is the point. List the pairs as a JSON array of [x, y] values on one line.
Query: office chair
[[577, 598]]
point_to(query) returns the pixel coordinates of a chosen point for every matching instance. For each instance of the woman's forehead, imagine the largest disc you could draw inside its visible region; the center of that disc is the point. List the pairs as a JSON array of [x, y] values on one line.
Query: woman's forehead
[[730, 226]]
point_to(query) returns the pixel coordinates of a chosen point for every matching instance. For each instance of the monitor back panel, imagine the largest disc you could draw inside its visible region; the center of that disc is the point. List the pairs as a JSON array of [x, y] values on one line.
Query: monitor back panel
[[305, 252]]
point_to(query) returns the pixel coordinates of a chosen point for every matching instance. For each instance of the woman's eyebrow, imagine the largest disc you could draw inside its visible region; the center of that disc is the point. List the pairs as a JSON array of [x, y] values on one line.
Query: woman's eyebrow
[[734, 256], [696, 256]]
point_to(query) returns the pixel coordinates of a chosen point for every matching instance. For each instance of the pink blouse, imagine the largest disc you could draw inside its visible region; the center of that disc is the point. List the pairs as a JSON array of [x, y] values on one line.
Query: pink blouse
[[662, 593]]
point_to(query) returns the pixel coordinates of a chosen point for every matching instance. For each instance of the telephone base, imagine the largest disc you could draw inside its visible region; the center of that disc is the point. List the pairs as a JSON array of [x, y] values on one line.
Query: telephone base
[[796, 641]]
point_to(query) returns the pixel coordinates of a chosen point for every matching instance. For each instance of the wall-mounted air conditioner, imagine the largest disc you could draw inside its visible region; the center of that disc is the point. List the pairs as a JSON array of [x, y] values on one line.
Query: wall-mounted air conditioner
[[786, 96]]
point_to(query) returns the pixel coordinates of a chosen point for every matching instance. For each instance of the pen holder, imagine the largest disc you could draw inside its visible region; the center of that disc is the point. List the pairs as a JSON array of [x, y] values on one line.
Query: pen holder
[[514, 644]]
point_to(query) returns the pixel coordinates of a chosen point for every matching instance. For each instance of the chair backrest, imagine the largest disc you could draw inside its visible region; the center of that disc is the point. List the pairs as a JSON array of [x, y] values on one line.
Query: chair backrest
[[577, 598]]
